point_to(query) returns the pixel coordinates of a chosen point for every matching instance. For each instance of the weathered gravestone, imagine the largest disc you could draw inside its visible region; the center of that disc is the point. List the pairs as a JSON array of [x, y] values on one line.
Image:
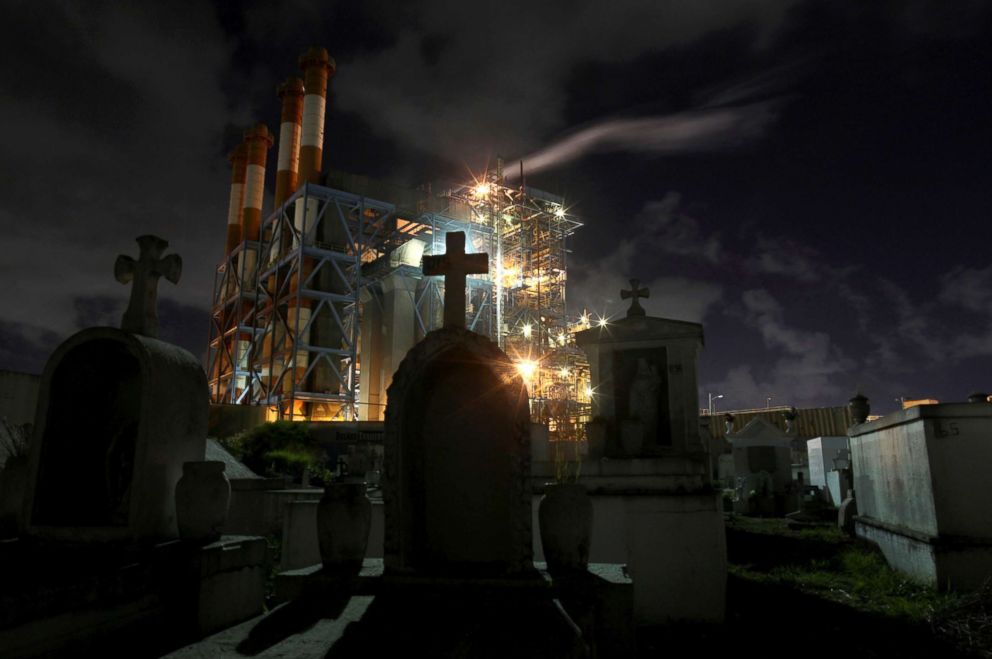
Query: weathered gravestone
[[644, 369], [458, 577], [118, 414], [457, 450], [457, 460], [654, 507], [762, 467]]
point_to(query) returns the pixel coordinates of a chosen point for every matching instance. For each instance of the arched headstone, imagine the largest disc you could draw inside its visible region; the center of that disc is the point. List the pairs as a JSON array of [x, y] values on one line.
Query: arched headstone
[[457, 491]]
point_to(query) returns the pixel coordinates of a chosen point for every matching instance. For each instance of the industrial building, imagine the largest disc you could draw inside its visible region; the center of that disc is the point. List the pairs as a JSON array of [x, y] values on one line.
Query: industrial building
[[316, 304]]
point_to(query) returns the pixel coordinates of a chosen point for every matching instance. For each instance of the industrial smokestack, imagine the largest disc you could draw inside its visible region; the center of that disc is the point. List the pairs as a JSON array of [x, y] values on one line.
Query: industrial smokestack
[[317, 68], [257, 142], [288, 167], [238, 159]]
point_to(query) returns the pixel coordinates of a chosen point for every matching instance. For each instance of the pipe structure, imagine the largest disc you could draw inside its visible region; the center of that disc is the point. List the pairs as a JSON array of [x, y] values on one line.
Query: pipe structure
[[317, 68], [238, 159]]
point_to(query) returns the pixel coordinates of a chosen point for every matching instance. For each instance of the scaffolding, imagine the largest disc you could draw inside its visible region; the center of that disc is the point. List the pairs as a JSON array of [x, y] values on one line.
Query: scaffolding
[[531, 229], [285, 334]]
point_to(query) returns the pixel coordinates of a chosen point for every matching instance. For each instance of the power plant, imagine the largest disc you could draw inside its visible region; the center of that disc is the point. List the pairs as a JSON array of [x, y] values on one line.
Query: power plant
[[316, 304]]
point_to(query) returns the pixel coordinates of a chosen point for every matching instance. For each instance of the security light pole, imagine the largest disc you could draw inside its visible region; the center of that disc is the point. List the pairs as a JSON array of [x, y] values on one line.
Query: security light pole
[[713, 398]]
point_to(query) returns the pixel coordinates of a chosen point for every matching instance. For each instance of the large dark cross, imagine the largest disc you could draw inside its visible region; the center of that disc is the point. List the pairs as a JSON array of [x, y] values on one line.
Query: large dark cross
[[141, 317], [453, 265], [635, 292]]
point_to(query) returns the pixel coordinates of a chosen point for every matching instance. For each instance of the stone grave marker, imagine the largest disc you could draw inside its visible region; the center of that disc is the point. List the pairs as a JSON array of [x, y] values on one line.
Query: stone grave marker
[[457, 451], [763, 467], [118, 414], [645, 368]]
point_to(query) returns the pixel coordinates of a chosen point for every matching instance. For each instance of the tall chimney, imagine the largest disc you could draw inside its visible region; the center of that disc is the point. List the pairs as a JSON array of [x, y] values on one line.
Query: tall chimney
[[317, 68], [257, 142], [287, 172], [238, 160]]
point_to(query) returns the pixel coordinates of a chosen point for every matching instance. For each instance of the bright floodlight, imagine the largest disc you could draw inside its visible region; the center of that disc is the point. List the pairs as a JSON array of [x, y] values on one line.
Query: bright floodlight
[[589, 392], [564, 372], [601, 321], [482, 189], [527, 368], [528, 330], [559, 212]]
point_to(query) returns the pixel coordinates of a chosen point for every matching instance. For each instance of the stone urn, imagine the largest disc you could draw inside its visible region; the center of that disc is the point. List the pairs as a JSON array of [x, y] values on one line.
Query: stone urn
[[565, 519], [202, 497], [860, 409], [344, 518]]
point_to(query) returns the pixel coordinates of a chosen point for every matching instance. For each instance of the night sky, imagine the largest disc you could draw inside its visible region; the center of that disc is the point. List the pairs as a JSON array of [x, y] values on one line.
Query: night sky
[[810, 180]]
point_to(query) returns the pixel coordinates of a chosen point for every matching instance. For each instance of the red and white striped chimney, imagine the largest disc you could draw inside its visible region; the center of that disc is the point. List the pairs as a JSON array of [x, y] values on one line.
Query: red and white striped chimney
[[287, 173], [317, 68], [238, 159], [257, 142]]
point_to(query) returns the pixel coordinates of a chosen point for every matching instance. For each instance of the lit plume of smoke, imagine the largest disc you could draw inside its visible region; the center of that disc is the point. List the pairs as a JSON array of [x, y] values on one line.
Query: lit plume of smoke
[[695, 131]]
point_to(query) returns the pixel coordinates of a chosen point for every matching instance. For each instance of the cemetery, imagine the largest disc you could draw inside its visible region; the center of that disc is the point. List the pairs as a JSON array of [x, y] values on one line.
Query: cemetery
[[399, 440], [132, 520]]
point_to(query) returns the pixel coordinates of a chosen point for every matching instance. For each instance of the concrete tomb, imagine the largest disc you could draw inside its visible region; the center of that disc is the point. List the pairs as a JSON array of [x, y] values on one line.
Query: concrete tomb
[[644, 374], [457, 576], [654, 507], [922, 490], [821, 452], [457, 460], [762, 469], [118, 414]]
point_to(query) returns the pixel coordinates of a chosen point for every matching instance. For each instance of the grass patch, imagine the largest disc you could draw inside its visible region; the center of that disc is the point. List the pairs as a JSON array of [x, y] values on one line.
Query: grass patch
[[858, 577], [826, 564]]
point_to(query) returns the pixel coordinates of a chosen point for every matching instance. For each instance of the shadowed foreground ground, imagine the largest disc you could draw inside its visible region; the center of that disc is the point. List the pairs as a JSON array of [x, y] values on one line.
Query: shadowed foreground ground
[[818, 593], [811, 593]]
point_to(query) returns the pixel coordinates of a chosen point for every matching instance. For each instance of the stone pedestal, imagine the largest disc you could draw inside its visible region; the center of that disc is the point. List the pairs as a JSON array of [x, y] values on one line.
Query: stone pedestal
[[658, 517], [60, 599]]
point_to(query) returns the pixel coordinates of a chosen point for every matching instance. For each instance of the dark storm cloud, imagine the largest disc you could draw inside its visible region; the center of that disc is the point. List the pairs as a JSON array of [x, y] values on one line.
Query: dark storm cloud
[[25, 348], [119, 117], [115, 123], [123, 114], [771, 308], [506, 74]]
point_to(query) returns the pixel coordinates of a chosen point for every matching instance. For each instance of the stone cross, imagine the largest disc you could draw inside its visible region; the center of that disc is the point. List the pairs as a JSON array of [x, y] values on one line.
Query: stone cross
[[635, 292], [453, 265], [141, 317]]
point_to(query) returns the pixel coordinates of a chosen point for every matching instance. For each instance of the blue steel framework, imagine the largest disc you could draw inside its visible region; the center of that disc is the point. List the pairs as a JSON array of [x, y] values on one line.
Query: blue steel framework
[[274, 366], [520, 304]]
